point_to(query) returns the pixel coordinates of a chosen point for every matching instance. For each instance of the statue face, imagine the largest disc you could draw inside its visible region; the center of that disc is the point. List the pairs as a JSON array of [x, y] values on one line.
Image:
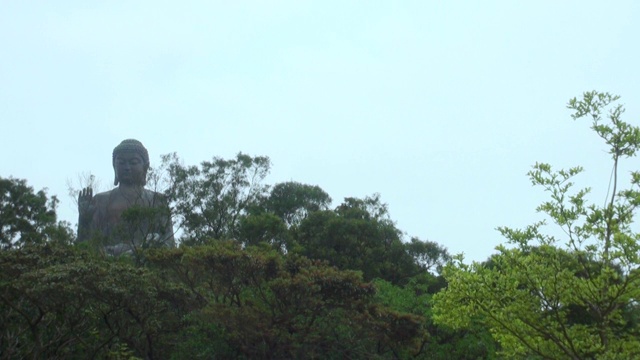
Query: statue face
[[130, 168]]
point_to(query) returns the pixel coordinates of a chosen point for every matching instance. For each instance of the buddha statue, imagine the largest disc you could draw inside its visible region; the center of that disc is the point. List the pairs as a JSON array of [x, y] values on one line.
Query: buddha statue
[[128, 217]]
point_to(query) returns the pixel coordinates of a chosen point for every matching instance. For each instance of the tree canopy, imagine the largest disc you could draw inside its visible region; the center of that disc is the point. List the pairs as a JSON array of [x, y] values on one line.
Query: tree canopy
[[277, 271], [27, 216], [262, 272], [574, 298]]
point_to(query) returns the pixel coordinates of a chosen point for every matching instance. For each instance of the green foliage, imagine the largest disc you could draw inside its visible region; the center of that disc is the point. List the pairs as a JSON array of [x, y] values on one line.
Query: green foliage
[[371, 207], [202, 339], [293, 202], [439, 342], [27, 217], [259, 274], [296, 307], [353, 243], [543, 300], [359, 235], [214, 301], [209, 200], [255, 229], [428, 255], [225, 199], [59, 302]]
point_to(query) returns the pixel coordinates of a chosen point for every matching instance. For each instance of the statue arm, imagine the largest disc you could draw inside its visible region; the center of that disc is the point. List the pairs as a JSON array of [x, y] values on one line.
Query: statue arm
[[86, 211]]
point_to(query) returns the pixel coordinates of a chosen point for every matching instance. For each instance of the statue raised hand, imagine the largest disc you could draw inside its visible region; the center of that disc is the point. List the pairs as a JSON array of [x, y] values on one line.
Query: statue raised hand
[[85, 204], [86, 209]]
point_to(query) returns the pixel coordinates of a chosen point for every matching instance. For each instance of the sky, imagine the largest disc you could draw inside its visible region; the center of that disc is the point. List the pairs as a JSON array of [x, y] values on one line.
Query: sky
[[441, 107]]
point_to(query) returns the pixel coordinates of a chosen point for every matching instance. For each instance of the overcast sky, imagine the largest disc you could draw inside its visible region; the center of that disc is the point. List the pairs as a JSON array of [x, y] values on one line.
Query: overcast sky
[[440, 106]]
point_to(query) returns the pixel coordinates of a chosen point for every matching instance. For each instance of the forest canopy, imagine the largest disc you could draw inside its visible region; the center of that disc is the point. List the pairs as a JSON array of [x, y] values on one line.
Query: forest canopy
[[277, 271]]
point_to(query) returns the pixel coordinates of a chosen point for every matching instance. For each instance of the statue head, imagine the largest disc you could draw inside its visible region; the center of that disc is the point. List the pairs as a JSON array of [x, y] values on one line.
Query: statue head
[[130, 161]]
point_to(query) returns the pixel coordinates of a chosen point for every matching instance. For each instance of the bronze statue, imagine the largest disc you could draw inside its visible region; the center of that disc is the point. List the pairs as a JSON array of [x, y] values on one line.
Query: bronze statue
[[129, 217]]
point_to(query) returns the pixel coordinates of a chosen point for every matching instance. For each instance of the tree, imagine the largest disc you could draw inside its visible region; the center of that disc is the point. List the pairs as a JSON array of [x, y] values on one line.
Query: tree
[[60, 302], [257, 303], [210, 200], [358, 235], [544, 300], [293, 201], [428, 254], [272, 219], [264, 228], [439, 342], [27, 217]]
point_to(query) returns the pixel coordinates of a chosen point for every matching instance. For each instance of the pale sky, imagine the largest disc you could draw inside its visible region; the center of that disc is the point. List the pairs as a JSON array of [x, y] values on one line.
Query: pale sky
[[440, 106]]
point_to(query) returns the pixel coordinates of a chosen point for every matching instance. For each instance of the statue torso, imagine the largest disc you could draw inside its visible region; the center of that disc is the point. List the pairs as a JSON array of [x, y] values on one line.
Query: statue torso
[[111, 204], [108, 217]]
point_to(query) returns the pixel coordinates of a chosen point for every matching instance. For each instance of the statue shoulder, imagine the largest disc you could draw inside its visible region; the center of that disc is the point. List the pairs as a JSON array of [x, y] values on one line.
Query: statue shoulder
[[153, 197], [150, 193], [102, 197]]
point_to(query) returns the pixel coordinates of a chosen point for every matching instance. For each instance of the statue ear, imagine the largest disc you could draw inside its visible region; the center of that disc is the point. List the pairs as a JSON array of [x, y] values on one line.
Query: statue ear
[[115, 172]]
